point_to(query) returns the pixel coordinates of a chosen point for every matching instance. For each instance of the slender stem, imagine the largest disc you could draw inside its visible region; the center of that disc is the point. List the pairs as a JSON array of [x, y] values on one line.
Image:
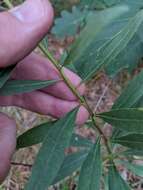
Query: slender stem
[[61, 71], [81, 99], [102, 135], [21, 164]]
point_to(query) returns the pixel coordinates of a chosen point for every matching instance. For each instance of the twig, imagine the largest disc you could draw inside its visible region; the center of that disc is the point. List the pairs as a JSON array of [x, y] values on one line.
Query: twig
[[21, 164], [102, 96], [81, 99]]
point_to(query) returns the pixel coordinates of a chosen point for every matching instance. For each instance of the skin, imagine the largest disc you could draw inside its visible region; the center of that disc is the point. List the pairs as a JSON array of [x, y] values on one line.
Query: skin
[[21, 31]]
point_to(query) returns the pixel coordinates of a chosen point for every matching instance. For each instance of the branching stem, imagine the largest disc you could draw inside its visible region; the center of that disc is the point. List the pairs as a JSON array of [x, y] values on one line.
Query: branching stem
[[80, 98]]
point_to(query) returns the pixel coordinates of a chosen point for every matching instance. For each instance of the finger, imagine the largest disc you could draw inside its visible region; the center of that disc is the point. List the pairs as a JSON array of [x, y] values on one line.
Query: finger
[[36, 67], [7, 143], [44, 104], [22, 28]]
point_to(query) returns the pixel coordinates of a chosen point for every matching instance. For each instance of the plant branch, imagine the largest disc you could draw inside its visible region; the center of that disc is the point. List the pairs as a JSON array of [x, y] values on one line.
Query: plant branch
[[80, 98]]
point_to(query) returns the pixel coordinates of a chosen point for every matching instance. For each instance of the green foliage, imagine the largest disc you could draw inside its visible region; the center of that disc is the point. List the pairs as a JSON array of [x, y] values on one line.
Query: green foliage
[[136, 169], [51, 154], [132, 94], [134, 141], [23, 86], [115, 180], [130, 120], [37, 135], [69, 23], [71, 163], [87, 39], [108, 35], [98, 4], [91, 168], [5, 75]]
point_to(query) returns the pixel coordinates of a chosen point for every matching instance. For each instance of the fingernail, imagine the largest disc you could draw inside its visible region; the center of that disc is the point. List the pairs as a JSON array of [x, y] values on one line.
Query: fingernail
[[27, 12]]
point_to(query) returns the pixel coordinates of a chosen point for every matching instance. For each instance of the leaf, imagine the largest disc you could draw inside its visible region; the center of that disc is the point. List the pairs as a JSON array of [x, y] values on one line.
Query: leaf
[[106, 186], [109, 52], [34, 136], [136, 169], [5, 74], [88, 37], [51, 154], [100, 4], [71, 164], [126, 59], [133, 152], [37, 135], [132, 93], [79, 141], [116, 181], [130, 120], [130, 97], [91, 170], [69, 23], [132, 140], [44, 42], [23, 86]]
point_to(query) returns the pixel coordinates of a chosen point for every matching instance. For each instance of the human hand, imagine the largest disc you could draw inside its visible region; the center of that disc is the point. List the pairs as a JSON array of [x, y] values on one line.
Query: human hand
[[23, 27]]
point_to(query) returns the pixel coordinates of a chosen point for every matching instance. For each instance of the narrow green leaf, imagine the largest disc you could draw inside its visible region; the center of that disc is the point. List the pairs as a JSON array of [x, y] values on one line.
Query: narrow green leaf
[[71, 164], [79, 141], [116, 181], [130, 120], [136, 169], [91, 170], [44, 42], [37, 134], [112, 49], [133, 152], [105, 182], [34, 136], [132, 140], [130, 97], [89, 33], [5, 74], [51, 154], [23, 86], [132, 94]]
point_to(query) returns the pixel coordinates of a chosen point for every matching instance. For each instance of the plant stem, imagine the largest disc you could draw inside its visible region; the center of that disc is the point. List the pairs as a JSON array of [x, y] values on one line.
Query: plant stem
[[81, 99], [102, 135]]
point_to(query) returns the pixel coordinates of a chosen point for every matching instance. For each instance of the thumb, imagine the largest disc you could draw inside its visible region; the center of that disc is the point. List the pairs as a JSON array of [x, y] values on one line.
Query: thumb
[[22, 28], [7, 143]]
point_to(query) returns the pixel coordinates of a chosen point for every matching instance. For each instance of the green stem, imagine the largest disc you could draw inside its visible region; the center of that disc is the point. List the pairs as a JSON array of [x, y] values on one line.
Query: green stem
[[81, 99], [61, 71], [106, 142]]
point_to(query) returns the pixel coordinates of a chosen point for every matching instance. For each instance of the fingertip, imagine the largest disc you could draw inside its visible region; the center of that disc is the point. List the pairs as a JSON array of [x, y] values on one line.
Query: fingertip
[[42, 12], [7, 143], [82, 116]]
